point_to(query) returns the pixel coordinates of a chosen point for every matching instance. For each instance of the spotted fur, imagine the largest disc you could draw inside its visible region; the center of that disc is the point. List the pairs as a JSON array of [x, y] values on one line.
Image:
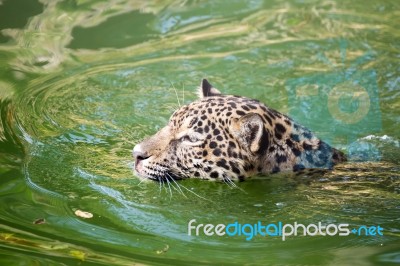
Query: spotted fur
[[226, 137]]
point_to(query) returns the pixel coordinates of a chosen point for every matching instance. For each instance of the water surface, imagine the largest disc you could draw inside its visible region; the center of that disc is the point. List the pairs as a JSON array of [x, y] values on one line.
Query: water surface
[[82, 82]]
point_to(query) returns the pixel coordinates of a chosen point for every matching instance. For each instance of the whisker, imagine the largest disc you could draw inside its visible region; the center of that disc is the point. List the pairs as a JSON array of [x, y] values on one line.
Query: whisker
[[195, 193], [183, 93], [233, 184], [141, 180], [178, 186], [159, 181], [176, 93], [229, 184], [182, 186], [173, 108], [172, 185], [226, 182], [170, 191]]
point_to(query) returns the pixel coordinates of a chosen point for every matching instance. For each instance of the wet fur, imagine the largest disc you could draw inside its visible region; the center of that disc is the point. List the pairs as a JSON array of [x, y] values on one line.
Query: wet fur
[[226, 137]]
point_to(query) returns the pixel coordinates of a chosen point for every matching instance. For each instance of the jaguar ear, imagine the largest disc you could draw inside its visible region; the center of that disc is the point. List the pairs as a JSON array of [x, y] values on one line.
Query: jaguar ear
[[250, 131], [207, 90]]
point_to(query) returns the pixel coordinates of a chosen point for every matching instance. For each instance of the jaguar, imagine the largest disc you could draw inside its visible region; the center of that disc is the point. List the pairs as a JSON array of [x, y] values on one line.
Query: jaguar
[[226, 137]]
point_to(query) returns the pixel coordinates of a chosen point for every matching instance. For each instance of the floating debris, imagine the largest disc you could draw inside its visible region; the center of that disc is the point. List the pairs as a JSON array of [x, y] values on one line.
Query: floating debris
[[78, 254], [280, 204], [39, 221], [163, 250], [83, 214]]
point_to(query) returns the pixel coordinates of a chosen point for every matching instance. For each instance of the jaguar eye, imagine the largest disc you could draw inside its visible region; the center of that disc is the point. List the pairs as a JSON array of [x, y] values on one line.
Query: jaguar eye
[[189, 138]]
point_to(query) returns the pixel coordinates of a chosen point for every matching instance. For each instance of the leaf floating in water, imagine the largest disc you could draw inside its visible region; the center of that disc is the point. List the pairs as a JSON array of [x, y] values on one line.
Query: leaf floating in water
[[78, 254], [83, 214], [163, 250], [39, 221]]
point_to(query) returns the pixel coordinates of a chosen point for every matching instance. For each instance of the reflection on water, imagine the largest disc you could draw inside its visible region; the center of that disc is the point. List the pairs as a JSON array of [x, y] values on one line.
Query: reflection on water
[[121, 31], [83, 81], [22, 10]]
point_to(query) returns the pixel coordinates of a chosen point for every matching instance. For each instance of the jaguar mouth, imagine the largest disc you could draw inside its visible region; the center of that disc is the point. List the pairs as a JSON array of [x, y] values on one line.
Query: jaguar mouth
[[164, 178], [154, 174]]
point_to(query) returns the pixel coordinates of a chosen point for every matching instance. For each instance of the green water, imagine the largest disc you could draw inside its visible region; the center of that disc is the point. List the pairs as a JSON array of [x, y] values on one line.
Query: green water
[[81, 82]]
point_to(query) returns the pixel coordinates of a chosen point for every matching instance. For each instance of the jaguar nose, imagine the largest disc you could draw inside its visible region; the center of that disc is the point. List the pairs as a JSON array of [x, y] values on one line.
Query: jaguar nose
[[139, 155]]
